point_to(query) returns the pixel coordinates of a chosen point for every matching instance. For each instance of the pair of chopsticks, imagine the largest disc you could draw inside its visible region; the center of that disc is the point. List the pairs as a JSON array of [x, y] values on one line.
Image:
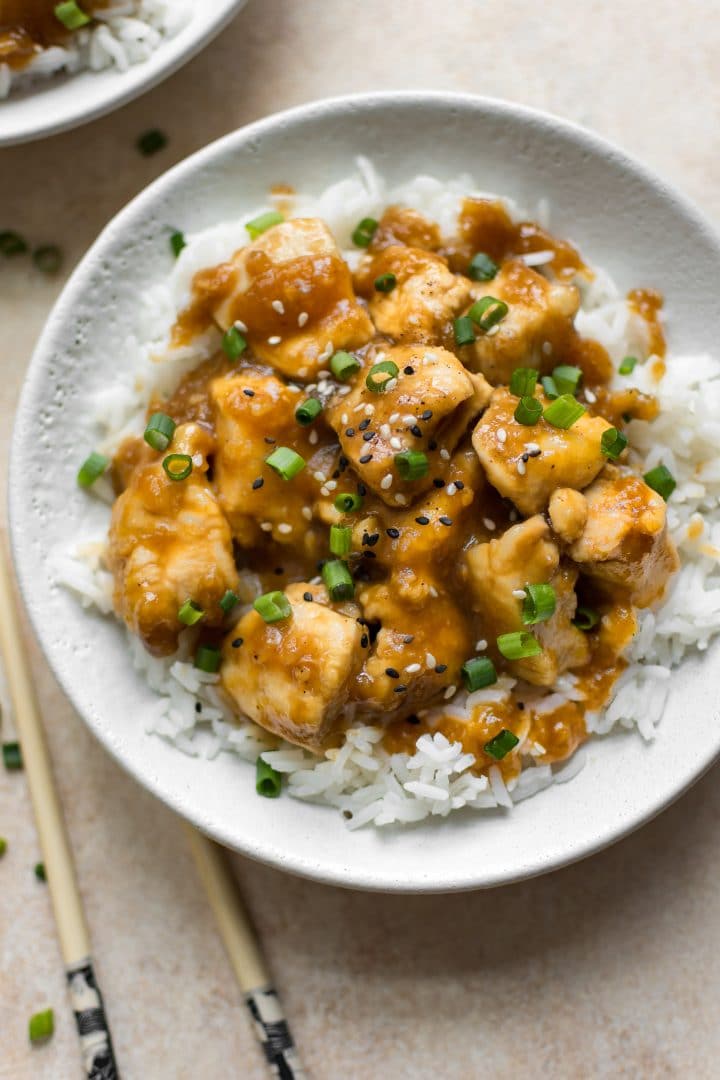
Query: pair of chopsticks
[[96, 1046]]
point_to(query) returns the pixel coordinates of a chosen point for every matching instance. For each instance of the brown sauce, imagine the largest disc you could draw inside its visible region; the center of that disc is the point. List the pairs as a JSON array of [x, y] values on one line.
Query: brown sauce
[[648, 303], [209, 289], [27, 26]]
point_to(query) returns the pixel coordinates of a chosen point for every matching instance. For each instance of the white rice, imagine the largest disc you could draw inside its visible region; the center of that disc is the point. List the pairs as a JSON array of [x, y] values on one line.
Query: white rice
[[125, 33], [363, 780]]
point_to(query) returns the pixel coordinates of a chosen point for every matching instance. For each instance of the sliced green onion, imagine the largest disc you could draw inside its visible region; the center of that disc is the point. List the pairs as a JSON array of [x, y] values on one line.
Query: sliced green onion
[[412, 464], [548, 385], [150, 142], [268, 781], [612, 443], [501, 744], [564, 412], [233, 343], [660, 479], [190, 613], [40, 871], [627, 365], [308, 411], [488, 312], [159, 431], [42, 1024], [538, 604], [343, 365], [228, 601], [178, 466], [263, 222], [364, 232], [482, 267], [177, 242], [518, 645], [464, 329], [11, 243], [285, 462], [273, 606], [48, 258], [92, 469], [523, 381], [71, 15], [346, 502], [566, 378], [386, 282], [478, 672], [340, 539], [528, 411], [3, 846], [207, 658], [585, 618], [338, 580], [12, 756], [385, 367]]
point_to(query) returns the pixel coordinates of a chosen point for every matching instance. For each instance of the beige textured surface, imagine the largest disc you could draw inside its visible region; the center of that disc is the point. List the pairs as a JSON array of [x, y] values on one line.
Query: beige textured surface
[[607, 969]]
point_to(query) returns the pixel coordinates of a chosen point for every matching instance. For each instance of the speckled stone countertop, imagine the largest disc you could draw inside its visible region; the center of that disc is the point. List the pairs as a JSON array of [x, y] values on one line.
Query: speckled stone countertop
[[610, 968]]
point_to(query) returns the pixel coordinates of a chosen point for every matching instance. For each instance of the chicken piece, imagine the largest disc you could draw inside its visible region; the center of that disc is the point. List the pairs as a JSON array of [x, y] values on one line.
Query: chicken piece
[[170, 542], [527, 463], [293, 292], [403, 225], [568, 513], [498, 571], [429, 408], [424, 301], [625, 540], [536, 331], [250, 407], [294, 677]]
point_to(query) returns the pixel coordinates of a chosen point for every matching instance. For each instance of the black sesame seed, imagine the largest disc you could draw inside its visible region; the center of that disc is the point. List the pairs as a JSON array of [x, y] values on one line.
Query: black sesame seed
[[336, 474], [422, 520], [371, 540], [369, 555], [534, 453], [415, 430], [439, 482], [307, 596], [269, 439], [409, 370], [365, 458], [198, 707], [408, 639], [393, 533], [350, 432], [427, 415], [526, 457], [364, 641], [432, 445], [400, 689], [412, 719], [248, 393], [364, 424], [368, 436], [459, 485], [445, 520], [361, 489], [237, 643], [258, 483], [521, 705], [392, 673], [439, 668], [279, 570]]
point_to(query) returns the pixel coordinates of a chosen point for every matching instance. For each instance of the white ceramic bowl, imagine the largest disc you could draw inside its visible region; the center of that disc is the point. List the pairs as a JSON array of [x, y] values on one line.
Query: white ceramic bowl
[[56, 104], [623, 218]]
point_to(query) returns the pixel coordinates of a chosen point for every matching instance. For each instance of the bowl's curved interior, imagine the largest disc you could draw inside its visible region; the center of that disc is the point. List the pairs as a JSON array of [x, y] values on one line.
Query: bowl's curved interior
[[56, 104], [623, 219]]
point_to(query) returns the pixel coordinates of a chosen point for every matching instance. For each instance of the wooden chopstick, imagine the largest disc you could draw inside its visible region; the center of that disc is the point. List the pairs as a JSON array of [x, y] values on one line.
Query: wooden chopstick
[[269, 1023], [72, 929]]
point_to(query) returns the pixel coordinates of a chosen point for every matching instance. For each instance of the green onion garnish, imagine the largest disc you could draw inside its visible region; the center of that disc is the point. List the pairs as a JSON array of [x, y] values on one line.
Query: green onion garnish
[[228, 601], [3, 846], [482, 267], [627, 364], [385, 368], [343, 365], [478, 672], [538, 604], [42, 1024], [585, 618], [263, 222], [233, 343], [523, 381], [612, 443], [564, 411], [346, 502], [177, 242], [92, 469], [338, 580], [11, 243], [208, 658], [12, 756], [71, 15], [518, 645], [364, 232], [150, 142], [660, 479], [464, 330], [528, 411], [159, 431], [48, 258], [501, 744], [340, 539], [40, 871], [190, 613], [566, 378], [488, 312], [308, 411], [178, 466], [548, 385], [386, 282], [285, 462], [268, 781], [273, 606], [412, 464]]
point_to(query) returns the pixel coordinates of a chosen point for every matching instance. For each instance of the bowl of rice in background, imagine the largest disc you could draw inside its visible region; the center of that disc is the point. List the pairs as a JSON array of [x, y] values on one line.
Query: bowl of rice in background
[[128, 47], [89, 381]]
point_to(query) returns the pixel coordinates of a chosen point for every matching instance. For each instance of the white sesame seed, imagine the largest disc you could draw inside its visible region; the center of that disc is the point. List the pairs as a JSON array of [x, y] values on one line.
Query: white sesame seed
[[412, 668], [394, 418], [532, 447], [501, 434], [323, 375], [302, 372], [266, 526], [295, 388], [344, 390], [400, 500], [326, 353], [331, 485], [521, 467], [386, 481], [369, 410], [319, 476], [489, 523], [197, 460], [409, 419], [396, 443], [277, 305], [240, 325], [546, 348], [274, 340], [324, 491], [589, 396], [450, 489], [429, 358], [303, 318], [315, 580], [307, 513], [284, 528], [451, 690], [430, 660], [433, 591], [344, 419], [481, 646], [313, 438], [360, 407], [445, 454], [385, 431], [390, 384], [519, 594]]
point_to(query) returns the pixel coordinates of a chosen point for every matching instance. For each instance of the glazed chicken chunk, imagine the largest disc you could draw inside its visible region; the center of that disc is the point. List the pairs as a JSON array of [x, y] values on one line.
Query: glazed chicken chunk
[[170, 542]]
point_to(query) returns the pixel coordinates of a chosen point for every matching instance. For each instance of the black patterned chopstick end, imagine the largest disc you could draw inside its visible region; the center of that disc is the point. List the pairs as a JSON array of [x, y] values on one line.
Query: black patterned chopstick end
[[92, 1025], [273, 1034]]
